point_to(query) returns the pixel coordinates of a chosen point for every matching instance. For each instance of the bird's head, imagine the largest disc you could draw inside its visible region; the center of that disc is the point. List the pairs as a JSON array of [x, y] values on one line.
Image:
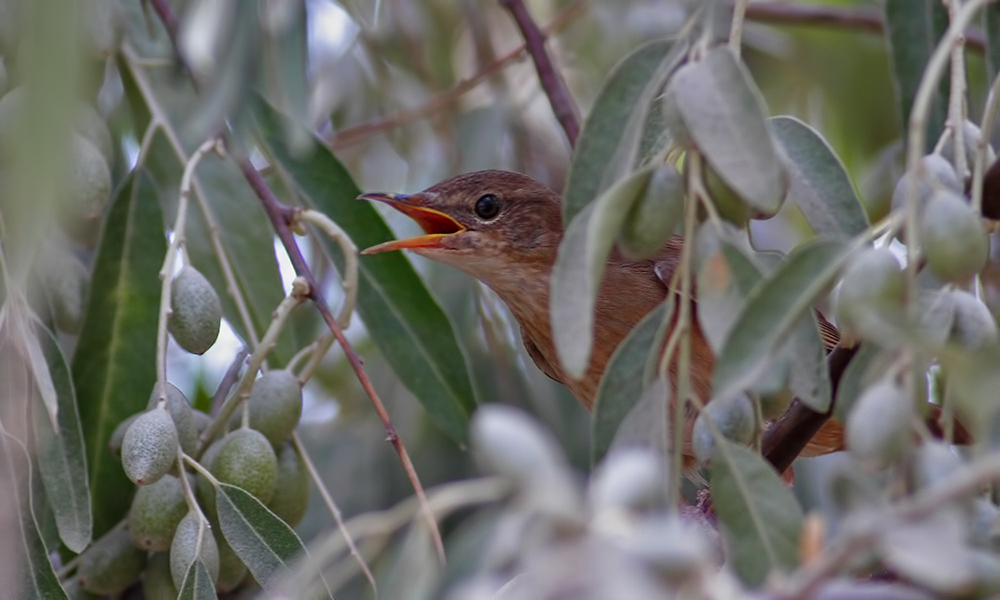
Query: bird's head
[[489, 224]]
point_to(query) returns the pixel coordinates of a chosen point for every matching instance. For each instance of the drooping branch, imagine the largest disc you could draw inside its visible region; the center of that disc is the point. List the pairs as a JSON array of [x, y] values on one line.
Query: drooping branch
[[550, 77]]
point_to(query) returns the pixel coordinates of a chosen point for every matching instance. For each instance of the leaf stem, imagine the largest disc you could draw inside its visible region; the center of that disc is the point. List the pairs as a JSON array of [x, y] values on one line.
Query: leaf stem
[[350, 280], [736, 28]]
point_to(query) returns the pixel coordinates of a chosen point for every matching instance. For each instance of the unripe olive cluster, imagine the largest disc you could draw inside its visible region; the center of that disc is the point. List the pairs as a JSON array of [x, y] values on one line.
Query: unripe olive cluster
[[165, 533]]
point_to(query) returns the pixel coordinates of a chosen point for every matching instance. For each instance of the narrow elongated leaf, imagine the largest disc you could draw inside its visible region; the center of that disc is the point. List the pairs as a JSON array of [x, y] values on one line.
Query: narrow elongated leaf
[[265, 544], [809, 377], [113, 370], [913, 28], [197, 583], [818, 183], [35, 576], [622, 382], [759, 517], [725, 116], [772, 309], [405, 322], [580, 262], [284, 66], [855, 377], [593, 167], [61, 455]]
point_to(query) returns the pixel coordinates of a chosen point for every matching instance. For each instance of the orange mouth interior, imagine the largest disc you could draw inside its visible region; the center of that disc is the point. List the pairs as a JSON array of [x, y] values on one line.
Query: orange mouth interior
[[436, 224]]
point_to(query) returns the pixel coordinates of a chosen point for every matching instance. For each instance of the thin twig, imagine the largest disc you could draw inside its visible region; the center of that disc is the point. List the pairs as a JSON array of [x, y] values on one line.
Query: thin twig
[[358, 133], [350, 251], [824, 15], [228, 380], [551, 78], [736, 29], [334, 510], [300, 291], [281, 216], [956, 97]]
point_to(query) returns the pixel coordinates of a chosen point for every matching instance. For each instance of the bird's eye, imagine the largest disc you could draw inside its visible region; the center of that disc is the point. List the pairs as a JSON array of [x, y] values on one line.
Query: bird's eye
[[487, 207]]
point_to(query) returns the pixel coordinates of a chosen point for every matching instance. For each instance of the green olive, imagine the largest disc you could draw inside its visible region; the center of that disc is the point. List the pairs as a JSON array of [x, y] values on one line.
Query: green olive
[[149, 448], [878, 426], [247, 460], [195, 311], [291, 493], [112, 564], [156, 510], [733, 417], [952, 238], [275, 405]]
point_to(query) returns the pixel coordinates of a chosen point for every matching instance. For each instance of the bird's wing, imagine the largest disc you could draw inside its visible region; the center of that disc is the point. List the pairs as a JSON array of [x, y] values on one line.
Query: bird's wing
[[538, 358]]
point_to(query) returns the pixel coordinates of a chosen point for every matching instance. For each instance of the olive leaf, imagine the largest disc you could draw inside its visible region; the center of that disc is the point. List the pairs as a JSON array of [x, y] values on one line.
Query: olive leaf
[[197, 583], [759, 517], [724, 114]]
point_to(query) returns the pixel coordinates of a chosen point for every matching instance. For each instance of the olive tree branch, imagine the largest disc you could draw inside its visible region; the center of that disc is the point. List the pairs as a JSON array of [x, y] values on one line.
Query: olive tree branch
[[282, 216], [551, 78]]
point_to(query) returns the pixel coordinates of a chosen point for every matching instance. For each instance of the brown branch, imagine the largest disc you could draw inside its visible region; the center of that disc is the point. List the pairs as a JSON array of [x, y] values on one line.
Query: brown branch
[[357, 133], [844, 17], [550, 77], [281, 216], [786, 437], [172, 24], [228, 380]]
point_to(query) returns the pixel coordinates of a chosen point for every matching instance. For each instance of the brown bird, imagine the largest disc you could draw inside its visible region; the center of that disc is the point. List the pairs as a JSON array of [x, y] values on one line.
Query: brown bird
[[504, 229]]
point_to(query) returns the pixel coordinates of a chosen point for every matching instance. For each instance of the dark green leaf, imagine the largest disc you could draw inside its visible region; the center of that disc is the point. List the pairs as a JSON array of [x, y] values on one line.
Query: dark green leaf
[[818, 182], [405, 322], [284, 66], [991, 27], [758, 515], [634, 80], [809, 376], [725, 116], [197, 583], [576, 275], [265, 544], [622, 382], [913, 28], [113, 364], [771, 311], [61, 455]]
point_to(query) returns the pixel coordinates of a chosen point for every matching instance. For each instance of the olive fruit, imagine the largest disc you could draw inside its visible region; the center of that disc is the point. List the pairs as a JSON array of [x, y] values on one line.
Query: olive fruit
[[65, 280], [195, 311], [157, 582], [232, 571], [184, 549], [92, 127], [149, 448], [181, 412], [103, 24], [89, 189], [654, 215], [971, 135], [275, 405], [733, 417], [204, 490], [972, 327], [727, 202], [112, 564], [156, 510], [291, 489], [936, 173], [118, 435], [246, 460], [872, 289], [952, 238], [878, 426]]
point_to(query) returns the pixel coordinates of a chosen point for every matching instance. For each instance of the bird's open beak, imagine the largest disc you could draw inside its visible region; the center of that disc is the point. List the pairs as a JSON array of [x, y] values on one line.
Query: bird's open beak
[[436, 224]]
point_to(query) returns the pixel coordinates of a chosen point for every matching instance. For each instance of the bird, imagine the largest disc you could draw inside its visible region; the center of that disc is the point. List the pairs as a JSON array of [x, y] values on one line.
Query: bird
[[504, 229]]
